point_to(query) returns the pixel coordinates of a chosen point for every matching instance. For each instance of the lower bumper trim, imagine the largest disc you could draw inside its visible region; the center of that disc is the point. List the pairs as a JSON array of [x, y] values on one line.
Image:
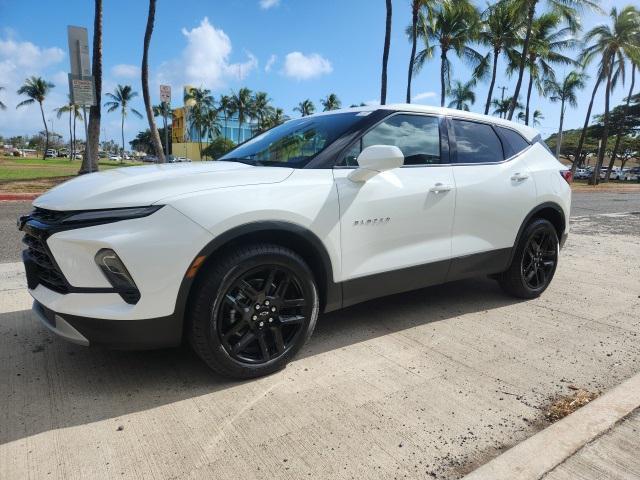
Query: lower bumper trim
[[142, 334]]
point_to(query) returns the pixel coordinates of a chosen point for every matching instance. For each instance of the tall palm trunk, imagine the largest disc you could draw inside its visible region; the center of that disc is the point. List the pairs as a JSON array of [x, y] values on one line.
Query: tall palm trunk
[[605, 130], [496, 53], [385, 55], [46, 132], [71, 112], [523, 58], [559, 139], [414, 44], [624, 117], [155, 136], [529, 90], [90, 162], [443, 63], [585, 128], [73, 151], [122, 133]]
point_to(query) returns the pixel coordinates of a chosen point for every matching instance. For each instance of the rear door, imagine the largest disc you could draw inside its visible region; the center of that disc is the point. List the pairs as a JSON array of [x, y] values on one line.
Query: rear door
[[494, 193]]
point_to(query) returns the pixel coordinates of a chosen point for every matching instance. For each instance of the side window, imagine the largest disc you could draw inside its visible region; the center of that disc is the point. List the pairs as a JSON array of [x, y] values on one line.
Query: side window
[[512, 141], [476, 142], [418, 136]]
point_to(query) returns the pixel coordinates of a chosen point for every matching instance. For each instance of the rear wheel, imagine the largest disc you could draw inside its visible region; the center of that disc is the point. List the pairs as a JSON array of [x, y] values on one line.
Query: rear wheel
[[253, 311], [534, 262]]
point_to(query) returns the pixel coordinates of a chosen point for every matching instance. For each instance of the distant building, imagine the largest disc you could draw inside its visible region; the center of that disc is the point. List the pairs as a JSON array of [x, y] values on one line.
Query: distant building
[[184, 137]]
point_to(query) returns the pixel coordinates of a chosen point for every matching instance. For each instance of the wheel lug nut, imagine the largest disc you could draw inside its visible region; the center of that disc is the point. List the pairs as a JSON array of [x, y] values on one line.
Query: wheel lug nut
[[258, 306], [270, 320], [255, 317], [273, 309], [261, 324], [266, 302]]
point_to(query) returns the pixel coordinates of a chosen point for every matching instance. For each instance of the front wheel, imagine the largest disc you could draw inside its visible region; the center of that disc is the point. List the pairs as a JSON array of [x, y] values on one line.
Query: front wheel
[[253, 311], [534, 262]]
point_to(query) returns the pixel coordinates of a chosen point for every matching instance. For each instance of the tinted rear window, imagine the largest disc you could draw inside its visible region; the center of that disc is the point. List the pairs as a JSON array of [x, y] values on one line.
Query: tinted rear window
[[476, 142], [512, 141]]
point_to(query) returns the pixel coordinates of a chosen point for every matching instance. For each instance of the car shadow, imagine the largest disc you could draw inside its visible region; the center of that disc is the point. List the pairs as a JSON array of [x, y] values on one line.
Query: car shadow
[[50, 384]]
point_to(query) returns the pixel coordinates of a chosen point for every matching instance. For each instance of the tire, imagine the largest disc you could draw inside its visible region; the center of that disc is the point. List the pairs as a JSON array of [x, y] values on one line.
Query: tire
[[252, 310], [532, 269]]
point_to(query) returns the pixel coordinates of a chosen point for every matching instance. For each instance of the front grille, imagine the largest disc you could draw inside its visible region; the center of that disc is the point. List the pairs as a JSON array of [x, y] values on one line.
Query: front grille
[[44, 267]]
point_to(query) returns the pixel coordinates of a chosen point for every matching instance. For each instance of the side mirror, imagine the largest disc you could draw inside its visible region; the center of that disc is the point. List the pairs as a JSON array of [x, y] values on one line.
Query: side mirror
[[376, 159]]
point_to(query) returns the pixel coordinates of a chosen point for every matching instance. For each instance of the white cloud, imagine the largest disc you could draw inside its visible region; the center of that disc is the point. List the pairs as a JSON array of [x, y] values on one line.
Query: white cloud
[[423, 96], [123, 70], [303, 67], [18, 61], [270, 63], [206, 60], [267, 4]]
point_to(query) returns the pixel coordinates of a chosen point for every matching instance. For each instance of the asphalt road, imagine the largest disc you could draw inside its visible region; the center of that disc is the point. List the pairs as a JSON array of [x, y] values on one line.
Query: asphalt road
[[584, 204], [426, 384]]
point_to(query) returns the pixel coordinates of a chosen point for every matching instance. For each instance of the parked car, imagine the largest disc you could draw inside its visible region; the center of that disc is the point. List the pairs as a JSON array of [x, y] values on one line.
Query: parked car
[[241, 255], [582, 174], [150, 159], [115, 158], [630, 174], [51, 153]]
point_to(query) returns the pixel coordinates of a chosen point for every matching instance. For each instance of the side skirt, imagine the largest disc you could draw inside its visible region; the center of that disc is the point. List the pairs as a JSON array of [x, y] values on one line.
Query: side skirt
[[413, 278]]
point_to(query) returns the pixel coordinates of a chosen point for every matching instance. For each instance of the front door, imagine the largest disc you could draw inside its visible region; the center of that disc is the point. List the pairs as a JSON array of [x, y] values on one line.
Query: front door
[[396, 227]]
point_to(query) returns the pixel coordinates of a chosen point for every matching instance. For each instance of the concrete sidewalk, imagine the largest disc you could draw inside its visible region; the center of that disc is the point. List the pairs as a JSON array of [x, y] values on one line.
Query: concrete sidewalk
[[428, 384], [613, 456]]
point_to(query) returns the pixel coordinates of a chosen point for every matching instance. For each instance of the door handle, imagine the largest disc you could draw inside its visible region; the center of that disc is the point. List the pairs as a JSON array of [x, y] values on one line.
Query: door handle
[[440, 187], [519, 177]]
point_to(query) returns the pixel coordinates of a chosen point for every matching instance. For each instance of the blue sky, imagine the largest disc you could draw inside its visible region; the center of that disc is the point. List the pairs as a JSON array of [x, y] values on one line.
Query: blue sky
[[292, 49]]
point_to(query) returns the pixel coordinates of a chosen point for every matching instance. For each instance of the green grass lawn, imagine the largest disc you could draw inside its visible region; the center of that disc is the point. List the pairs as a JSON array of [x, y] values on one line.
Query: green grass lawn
[[16, 168]]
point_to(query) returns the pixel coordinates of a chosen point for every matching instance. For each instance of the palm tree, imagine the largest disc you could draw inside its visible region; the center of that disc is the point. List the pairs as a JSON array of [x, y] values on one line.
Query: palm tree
[[242, 105], [499, 30], [453, 26], [2, 105], [612, 43], [201, 103], [565, 93], [305, 108], [74, 114], [164, 110], [330, 102], [462, 95], [537, 116], [120, 99], [37, 89], [635, 61], [155, 136], [92, 143], [501, 107], [262, 106], [211, 124], [225, 106], [416, 5], [566, 8], [385, 54], [545, 50]]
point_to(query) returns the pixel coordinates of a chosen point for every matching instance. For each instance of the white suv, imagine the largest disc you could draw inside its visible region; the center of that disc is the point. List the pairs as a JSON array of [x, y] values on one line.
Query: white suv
[[240, 255]]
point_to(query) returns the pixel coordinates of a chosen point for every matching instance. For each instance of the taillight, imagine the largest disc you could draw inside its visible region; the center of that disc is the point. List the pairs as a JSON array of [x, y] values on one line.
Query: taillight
[[567, 175]]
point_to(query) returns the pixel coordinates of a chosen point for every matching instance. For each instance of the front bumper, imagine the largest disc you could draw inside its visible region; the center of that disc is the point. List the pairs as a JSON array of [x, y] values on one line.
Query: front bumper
[[121, 334]]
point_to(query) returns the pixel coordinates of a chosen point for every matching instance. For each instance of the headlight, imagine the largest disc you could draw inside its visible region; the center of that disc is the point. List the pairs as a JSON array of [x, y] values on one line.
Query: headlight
[[112, 214]]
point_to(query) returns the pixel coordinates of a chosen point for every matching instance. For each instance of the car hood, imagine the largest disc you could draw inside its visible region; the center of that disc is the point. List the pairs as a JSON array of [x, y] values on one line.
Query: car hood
[[145, 185]]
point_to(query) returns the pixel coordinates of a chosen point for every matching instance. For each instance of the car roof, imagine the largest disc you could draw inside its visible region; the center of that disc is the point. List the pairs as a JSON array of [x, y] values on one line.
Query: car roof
[[526, 131]]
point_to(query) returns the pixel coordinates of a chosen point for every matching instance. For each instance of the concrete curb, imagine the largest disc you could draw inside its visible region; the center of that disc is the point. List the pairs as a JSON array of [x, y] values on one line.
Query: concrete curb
[[544, 451], [8, 197]]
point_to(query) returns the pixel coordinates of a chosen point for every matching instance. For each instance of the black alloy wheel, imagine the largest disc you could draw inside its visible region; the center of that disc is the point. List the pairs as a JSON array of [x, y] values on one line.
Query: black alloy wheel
[[252, 309], [534, 263], [539, 259], [262, 314]]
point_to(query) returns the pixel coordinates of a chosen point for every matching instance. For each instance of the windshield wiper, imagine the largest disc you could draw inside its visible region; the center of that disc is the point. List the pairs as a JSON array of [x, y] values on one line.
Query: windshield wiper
[[246, 161]]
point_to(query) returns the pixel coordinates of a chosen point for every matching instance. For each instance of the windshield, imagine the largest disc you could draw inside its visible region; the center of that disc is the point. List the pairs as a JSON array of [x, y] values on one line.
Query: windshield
[[294, 143]]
